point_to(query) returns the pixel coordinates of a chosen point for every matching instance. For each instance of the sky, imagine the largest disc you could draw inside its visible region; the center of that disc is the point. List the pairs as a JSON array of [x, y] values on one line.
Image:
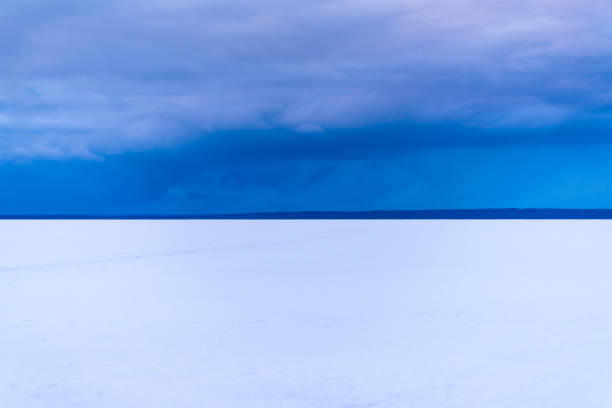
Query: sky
[[211, 106]]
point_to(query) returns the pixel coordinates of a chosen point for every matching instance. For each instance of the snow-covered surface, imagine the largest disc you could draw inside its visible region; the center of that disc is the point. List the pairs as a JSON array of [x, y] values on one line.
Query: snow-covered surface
[[305, 314]]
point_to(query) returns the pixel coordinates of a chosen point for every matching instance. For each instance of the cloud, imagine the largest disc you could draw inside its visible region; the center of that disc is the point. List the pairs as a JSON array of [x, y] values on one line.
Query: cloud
[[209, 179], [90, 79]]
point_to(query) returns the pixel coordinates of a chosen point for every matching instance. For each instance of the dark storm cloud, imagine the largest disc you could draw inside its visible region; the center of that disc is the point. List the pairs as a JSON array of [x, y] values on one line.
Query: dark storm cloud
[[173, 182], [184, 106]]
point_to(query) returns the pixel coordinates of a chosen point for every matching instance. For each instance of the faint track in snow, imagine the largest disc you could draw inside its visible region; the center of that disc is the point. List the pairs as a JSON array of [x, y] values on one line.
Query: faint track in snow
[[6, 270]]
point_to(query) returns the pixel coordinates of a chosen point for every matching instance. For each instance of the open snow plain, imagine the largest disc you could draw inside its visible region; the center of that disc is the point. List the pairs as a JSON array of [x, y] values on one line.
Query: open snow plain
[[305, 314]]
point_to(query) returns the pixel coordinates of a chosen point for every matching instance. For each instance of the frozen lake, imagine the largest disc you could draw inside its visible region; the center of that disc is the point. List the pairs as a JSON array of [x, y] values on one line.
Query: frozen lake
[[296, 314]]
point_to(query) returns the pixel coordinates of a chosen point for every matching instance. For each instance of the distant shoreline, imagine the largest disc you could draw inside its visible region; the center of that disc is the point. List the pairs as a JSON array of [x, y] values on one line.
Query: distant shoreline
[[466, 214]]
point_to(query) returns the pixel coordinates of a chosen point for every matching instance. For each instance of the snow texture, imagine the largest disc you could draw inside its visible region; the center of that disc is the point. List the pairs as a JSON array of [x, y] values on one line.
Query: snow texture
[[235, 314]]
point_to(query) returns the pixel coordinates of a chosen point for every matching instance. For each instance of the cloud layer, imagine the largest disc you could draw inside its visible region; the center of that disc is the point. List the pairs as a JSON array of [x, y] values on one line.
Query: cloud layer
[[92, 78]]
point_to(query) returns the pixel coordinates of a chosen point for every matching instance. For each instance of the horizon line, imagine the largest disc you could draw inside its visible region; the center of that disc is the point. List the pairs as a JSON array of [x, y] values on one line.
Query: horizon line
[[433, 214]]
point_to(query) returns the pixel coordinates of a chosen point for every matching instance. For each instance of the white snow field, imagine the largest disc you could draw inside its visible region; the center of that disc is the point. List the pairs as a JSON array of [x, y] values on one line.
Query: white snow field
[[136, 314]]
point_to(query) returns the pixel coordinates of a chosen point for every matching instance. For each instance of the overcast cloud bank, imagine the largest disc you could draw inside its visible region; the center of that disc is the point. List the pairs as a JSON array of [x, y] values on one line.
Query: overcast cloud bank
[[87, 79]]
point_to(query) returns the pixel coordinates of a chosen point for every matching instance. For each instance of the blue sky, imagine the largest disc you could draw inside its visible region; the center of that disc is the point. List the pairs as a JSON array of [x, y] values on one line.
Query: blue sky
[[183, 106]]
